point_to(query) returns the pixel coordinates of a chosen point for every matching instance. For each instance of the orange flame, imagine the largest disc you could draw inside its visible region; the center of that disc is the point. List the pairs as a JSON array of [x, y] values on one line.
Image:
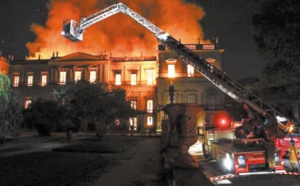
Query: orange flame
[[118, 34]]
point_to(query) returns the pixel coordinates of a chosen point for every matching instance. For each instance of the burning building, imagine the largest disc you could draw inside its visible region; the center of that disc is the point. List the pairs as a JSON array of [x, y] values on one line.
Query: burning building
[[146, 80]]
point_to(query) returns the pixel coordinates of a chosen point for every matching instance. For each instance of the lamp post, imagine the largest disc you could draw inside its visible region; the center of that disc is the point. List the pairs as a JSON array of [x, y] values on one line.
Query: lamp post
[[171, 93]]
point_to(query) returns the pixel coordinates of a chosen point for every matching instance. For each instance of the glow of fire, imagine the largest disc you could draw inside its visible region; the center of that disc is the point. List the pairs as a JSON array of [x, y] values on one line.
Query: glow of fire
[[118, 34]]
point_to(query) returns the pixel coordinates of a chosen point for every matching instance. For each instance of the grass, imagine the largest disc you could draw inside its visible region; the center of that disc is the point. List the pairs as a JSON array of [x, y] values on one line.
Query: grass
[[63, 166], [108, 145]]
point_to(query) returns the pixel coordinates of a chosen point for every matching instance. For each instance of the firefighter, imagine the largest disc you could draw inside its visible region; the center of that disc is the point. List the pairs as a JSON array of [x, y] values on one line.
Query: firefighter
[[293, 155], [270, 156]]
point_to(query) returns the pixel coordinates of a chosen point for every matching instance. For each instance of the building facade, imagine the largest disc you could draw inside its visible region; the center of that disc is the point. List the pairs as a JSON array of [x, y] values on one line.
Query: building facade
[[189, 85], [146, 80]]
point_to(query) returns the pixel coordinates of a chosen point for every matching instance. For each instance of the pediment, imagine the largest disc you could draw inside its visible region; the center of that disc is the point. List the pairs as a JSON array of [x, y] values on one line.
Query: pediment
[[79, 56]]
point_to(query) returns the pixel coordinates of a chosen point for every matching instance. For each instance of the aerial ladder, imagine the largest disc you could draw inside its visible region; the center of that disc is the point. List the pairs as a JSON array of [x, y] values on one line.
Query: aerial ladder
[[261, 114]]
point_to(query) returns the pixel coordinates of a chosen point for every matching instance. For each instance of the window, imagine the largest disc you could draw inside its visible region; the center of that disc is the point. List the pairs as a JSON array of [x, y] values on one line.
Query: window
[[77, 75], [208, 47], [29, 80], [191, 99], [211, 102], [150, 79], [192, 47], [150, 76], [44, 80], [150, 106], [150, 120], [93, 76], [16, 81], [171, 70], [133, 104], [190, 71], [133, 79], [118, 78], [27, 103], [133, 124], [62, 77]]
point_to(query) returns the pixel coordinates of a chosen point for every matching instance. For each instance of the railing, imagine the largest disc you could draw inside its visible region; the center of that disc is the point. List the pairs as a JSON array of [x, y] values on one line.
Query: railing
[[138, 83]]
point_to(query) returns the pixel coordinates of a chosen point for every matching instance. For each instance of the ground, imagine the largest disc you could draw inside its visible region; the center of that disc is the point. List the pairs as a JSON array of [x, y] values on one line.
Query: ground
[[117, 160]]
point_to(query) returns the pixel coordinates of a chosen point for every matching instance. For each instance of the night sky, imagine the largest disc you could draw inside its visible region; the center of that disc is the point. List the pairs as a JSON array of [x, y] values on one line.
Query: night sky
[[230, 20]]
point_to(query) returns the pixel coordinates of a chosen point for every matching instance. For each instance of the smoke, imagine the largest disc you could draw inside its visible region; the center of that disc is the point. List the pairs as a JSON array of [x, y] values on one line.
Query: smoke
[[118, 34]]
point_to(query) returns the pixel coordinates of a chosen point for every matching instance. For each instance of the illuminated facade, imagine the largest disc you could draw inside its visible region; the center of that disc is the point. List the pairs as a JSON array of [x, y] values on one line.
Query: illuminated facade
[[137, 75], [189, 85], [146, 80]]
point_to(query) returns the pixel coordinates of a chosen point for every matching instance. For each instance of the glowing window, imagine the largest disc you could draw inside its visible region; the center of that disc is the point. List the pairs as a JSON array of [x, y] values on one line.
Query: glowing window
[[150, 120], [192, 47], [93, 76], [150, 76], [77, 76], [171, 70], [29, 80], [190, 70], [133, 124], [62, 77], [133, 104], [133, 79], [16, 81], [44, 80], [27, 103], [208, 47], [149, 79], [150, 106], [118, 79]]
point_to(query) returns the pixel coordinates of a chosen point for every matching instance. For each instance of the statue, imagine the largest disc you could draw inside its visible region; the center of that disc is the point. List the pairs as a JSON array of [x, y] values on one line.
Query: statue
[[182, 133]]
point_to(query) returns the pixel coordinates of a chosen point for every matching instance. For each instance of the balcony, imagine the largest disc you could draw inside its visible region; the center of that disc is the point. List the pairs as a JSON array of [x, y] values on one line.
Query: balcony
[[213, 107]]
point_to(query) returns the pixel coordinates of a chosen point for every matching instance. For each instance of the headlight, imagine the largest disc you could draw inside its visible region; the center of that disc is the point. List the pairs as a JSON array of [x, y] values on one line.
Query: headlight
[[228, 162]]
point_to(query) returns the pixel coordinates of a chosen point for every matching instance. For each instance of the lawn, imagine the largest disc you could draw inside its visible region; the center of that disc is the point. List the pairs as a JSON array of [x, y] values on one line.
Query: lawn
[[62, 166]]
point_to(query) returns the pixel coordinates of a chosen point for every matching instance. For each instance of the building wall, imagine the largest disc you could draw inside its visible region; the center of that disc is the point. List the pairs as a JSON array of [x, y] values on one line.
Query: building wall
[[150, 90], [105, 68], [189, 87]]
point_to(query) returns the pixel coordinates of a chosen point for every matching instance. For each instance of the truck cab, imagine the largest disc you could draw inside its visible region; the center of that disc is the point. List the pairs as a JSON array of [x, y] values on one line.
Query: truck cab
[[239, 159]]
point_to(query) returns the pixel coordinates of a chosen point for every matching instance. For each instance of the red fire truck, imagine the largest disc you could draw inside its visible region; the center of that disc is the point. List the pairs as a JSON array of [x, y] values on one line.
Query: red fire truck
[[286, 142], [237, 156], [249, 156]]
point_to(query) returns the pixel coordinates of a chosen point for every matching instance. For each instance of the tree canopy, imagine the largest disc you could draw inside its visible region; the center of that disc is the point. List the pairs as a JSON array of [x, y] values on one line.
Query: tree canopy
[[10, 110], [95, 103], [278, 39], [43, 115]]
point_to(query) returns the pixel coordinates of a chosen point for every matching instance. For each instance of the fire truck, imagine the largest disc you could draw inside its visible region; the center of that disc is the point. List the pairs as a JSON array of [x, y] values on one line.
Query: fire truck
[[285, 143], [237, 155], [263, 120]]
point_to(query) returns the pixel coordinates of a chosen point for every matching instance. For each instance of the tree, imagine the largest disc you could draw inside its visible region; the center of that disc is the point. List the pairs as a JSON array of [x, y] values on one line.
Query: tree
[[96, 104], [10, 110], [43, 115], [278, 38]]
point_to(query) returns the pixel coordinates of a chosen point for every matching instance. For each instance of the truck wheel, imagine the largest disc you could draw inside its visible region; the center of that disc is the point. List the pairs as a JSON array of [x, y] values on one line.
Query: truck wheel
[[241, 132]]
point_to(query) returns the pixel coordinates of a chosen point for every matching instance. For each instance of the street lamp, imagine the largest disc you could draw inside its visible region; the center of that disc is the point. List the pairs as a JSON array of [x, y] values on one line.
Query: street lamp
[[171, 92]]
